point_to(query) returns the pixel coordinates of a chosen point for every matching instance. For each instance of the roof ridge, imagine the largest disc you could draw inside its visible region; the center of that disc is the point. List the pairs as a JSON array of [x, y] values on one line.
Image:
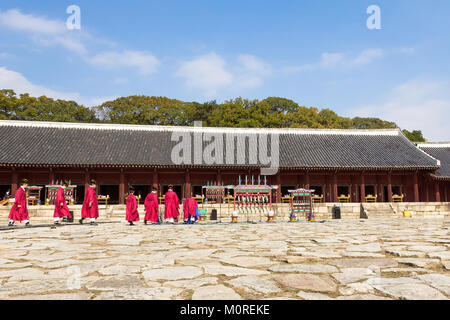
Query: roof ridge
[[433, 144], [113, 126]]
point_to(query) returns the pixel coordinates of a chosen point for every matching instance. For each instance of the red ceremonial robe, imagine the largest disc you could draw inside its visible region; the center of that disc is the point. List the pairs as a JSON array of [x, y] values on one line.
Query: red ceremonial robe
[[189, 206], [132, 212], [61, 209], [151, 207], [16, 213], [90, 196], [171, 204]]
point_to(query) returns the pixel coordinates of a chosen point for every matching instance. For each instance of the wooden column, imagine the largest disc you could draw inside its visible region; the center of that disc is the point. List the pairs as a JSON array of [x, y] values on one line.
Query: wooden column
[[87, 178], [219, 177], [363, 189], [278, 182], [416, 187], [335, 188], [380, 189], [14, 178], [389, 186], [51, 176], [122, 187], [324, 192], [187, 184], [155, 179], [307, 180], [437, 191]]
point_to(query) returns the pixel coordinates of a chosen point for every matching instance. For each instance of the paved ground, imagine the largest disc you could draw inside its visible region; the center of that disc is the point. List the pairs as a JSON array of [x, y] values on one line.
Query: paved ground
[[345, 259]]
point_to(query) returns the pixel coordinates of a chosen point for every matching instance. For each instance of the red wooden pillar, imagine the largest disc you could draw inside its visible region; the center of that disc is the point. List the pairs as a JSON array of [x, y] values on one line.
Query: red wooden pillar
[[416, 187], [335, 188], [87, 178], [122, 187], [363, 189], [380, 189], [219, 177], [155, 184], [13, 182], [155, 178], [278, 181], [307, 180], [187, 185], [51, 176], [437, 191], [389, 187]]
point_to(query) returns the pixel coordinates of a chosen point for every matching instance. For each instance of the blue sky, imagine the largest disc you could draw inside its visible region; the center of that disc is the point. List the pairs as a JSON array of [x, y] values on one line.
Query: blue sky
[[318, 53]]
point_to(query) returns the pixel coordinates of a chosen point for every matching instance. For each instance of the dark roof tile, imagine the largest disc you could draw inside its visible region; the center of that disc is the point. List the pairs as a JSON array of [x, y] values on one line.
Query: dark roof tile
[[124, 145]]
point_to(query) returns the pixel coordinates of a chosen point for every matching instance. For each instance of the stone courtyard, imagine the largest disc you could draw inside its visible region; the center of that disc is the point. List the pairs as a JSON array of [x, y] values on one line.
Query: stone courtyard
[[396, 258]]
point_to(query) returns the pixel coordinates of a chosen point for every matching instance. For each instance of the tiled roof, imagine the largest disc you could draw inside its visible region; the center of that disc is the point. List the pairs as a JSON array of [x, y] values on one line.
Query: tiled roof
[[74, 144], [440, 151]]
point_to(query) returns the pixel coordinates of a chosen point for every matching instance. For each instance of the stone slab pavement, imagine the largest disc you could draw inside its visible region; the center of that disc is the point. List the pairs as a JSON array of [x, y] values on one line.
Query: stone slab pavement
[[335, 259]]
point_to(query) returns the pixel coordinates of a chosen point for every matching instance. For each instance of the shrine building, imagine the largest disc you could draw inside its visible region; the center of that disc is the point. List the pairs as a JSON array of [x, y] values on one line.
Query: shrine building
[[354, 165]]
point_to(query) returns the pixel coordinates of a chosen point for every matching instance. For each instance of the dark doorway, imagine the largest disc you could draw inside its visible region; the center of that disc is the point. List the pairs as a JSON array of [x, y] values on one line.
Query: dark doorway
[[197, 191], [43, 193], [317, 190], [141, 190], [80, 194], [111, 190], [343, 190], [177, 188], [3, 189], [285, 190], [385, 191], [369, 190], [396, 190]]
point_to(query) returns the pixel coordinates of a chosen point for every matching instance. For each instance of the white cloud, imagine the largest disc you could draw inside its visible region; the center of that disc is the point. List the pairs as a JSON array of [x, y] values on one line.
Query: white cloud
[[335, 59], [143, 61], [207, 73], [16, 81], [251, 71], [367, 56], [14, 19], [416, 104], [44, 31], [211, 73]]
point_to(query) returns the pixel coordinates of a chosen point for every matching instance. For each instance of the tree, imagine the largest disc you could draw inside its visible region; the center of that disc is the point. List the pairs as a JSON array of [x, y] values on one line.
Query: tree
[[272, 112], [144, 110], [414, 136], [43, 108], [372, 123]]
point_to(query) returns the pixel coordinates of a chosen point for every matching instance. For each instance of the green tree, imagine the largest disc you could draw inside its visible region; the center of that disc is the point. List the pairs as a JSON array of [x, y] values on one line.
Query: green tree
[[415, 135], [144, 110], [372, 123]]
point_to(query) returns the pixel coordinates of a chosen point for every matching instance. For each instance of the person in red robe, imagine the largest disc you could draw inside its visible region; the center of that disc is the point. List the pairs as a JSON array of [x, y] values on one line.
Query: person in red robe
[[132, 213], [61, 209], [90, 204], [190, 208], [171, 206], [19, 211], [151, 207]]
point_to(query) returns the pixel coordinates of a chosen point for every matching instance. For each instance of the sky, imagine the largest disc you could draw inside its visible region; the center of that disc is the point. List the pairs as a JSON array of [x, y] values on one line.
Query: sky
[[318, 53]]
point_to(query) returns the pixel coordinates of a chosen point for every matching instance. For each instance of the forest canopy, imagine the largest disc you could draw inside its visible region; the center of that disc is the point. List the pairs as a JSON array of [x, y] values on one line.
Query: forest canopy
[[272, 112]]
